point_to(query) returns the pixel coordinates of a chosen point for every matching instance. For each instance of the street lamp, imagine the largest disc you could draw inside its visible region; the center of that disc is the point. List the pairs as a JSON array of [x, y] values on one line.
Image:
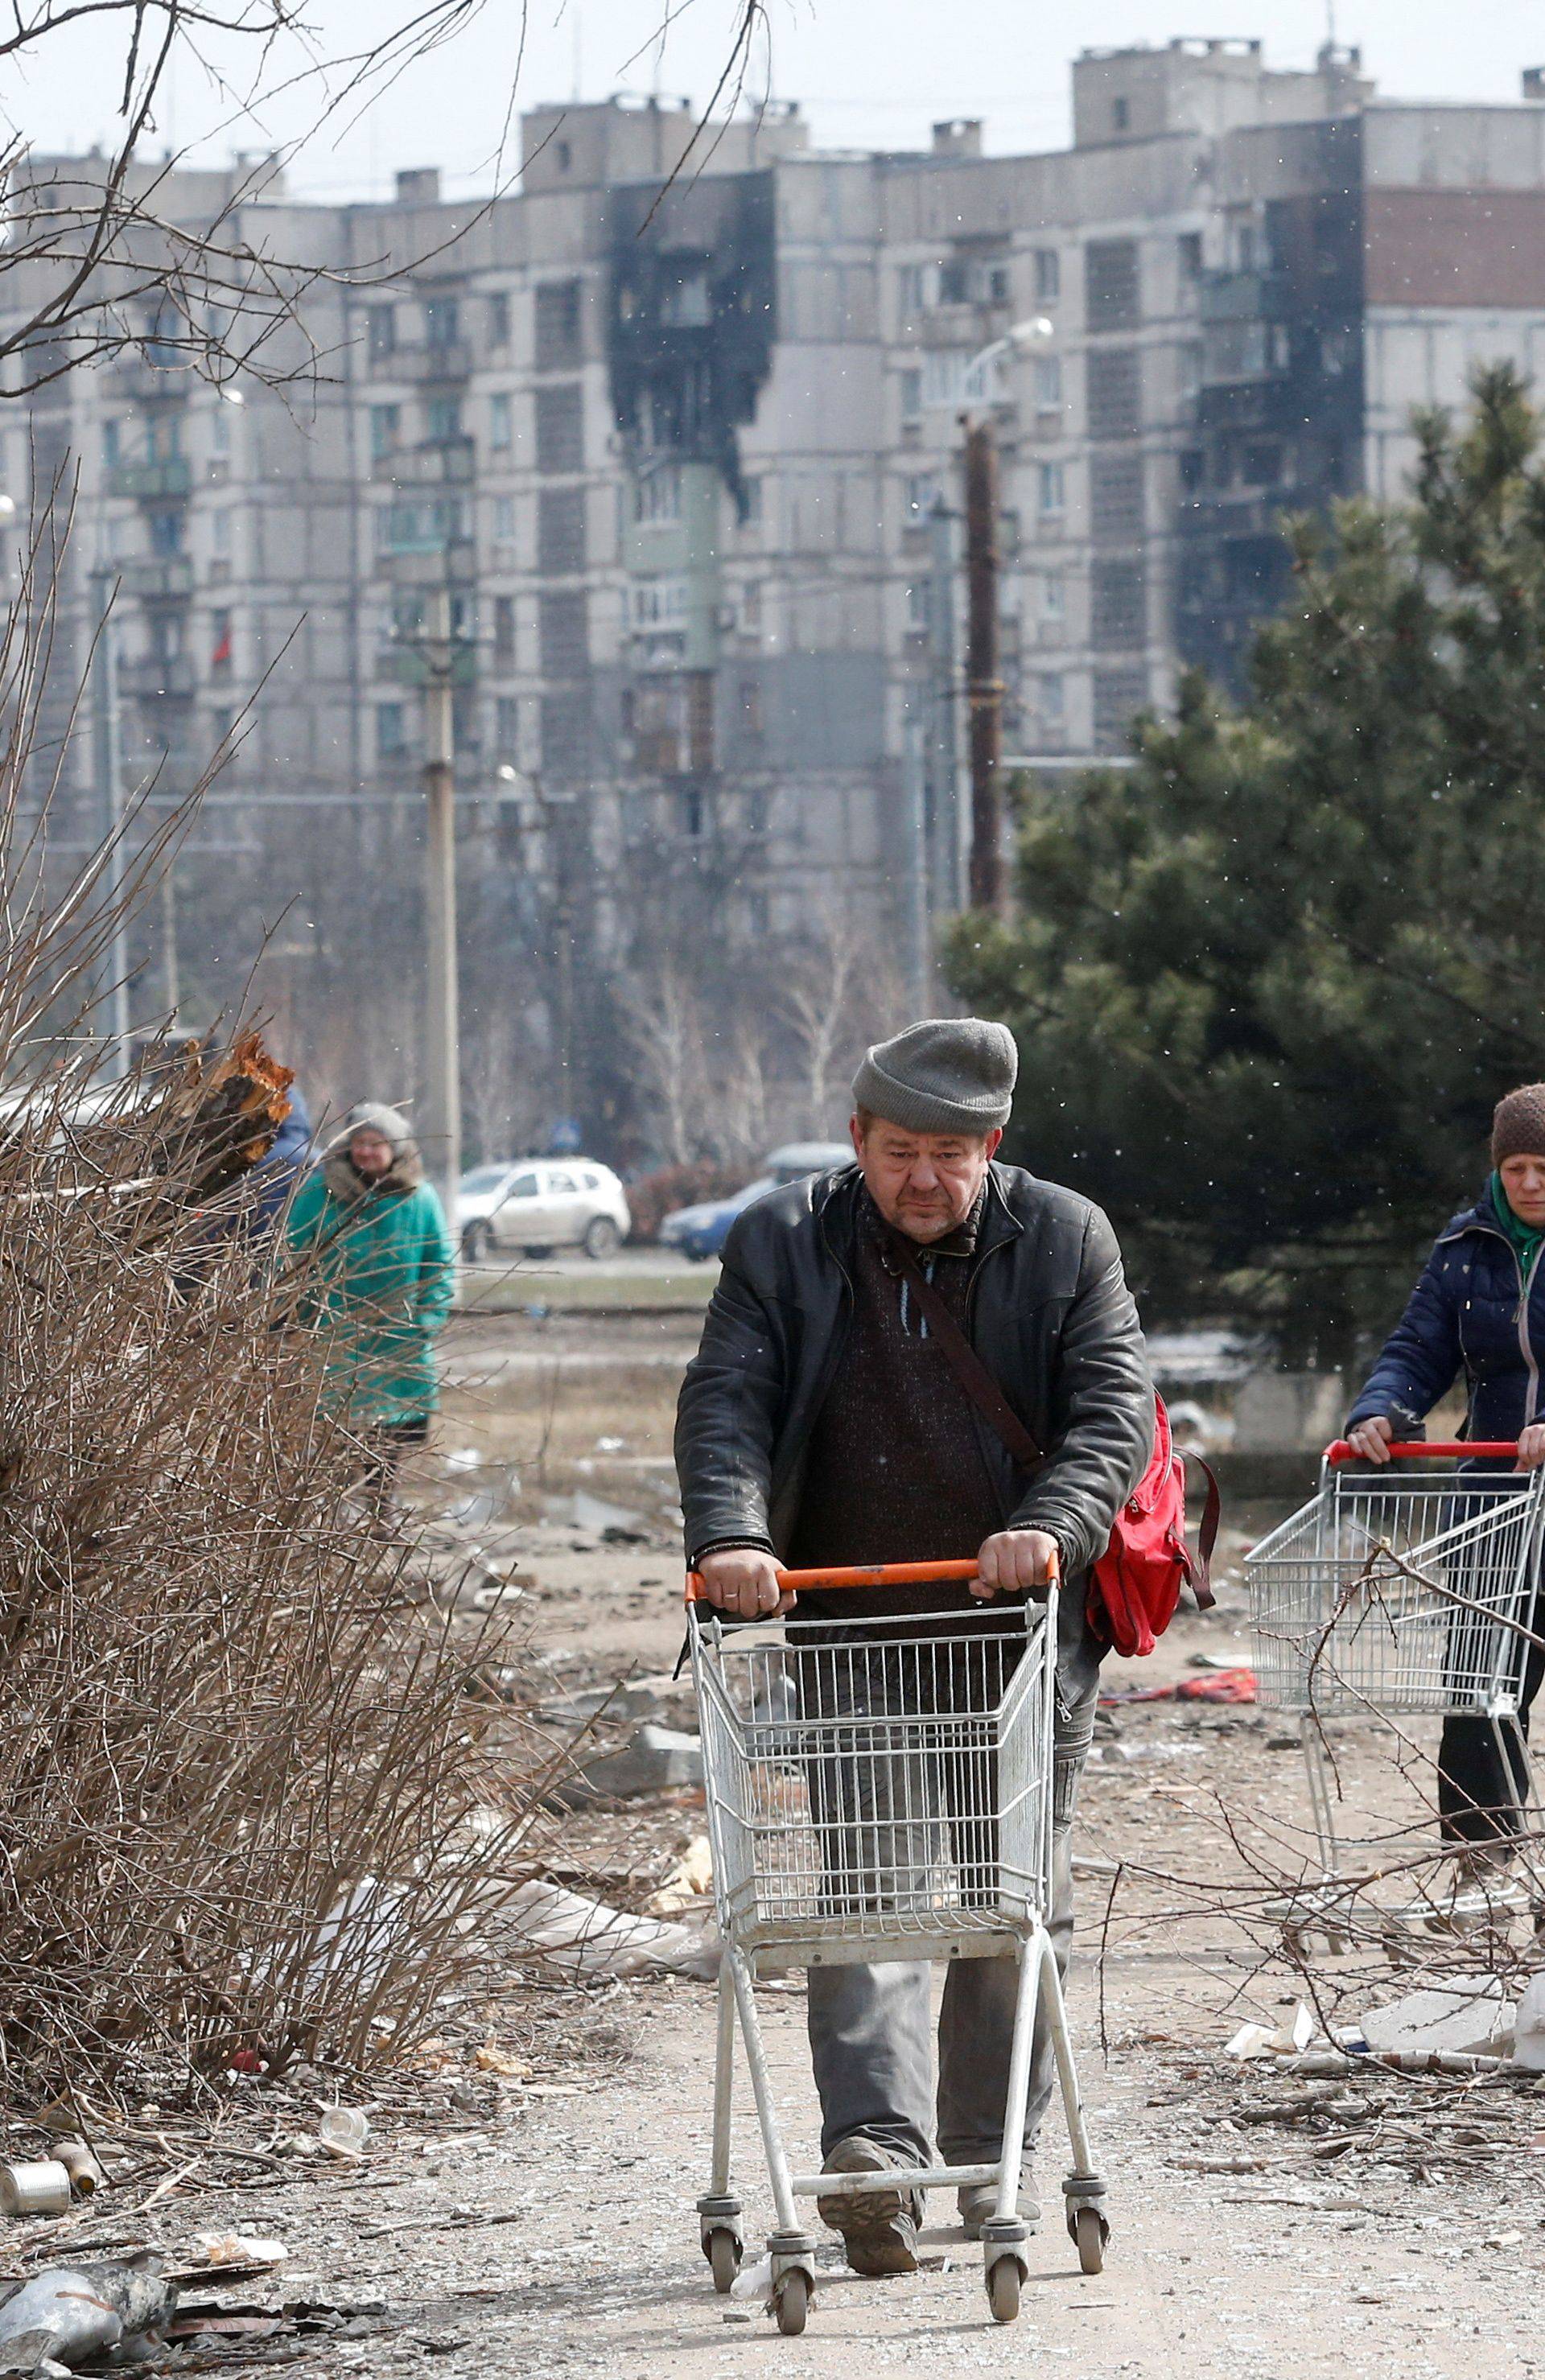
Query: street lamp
[[984, 686]]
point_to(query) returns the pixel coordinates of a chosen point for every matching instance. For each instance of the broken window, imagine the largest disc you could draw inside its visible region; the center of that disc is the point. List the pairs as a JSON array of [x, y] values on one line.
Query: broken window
[[563, 629], [686, 296], [1111, 285], [560, 530], [1114, 391], [1116, 605], [557, 325], [560, 427]]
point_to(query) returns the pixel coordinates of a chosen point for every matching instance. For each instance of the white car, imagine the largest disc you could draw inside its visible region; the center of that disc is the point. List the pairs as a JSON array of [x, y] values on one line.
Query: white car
[[542, 1203]]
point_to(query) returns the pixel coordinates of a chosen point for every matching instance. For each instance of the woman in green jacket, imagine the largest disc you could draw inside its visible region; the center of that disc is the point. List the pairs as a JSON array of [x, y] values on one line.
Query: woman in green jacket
[[373, 1235]]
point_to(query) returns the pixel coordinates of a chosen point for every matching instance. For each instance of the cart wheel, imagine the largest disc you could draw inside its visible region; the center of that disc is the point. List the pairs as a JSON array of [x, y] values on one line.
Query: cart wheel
[[724, 2257], [792, 2301], [1089, 2238], [1003, 2278]]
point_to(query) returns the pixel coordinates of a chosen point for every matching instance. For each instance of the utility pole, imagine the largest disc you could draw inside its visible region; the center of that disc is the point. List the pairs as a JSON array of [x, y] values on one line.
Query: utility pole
[[110, 791], [943, 798], [984, 685], [440, 1123]]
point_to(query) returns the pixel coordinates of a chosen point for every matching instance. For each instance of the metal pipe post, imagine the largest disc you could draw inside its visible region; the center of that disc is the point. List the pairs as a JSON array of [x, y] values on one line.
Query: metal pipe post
[[440, 1118], [110, 786], [984, 685]]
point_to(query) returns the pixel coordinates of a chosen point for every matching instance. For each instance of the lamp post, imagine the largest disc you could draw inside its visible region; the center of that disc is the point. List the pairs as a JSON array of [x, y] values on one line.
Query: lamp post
[[441, 1133], [109, 762]]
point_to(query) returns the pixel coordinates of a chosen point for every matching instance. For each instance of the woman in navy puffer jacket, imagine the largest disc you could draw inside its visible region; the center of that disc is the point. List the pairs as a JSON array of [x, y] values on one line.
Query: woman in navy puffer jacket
[[1479, 1309]]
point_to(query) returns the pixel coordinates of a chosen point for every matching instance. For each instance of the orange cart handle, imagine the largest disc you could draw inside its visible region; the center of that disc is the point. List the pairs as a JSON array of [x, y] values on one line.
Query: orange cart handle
[[1341, 1450], [924, 1573]]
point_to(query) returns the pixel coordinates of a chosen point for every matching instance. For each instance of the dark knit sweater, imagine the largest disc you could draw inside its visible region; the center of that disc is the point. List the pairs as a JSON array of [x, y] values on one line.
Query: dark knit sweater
[[894, 1469]]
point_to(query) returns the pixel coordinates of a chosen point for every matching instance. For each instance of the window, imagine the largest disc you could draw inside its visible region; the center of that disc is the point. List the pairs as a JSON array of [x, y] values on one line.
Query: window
[[1053, 596], [506, 726], [751, 501], [391, 730], [752, 723], [443, 419], [1191, 464], [1188, 367], [685, 298], [916, 288], [945, 374], [1113, 391], [922, 494], [557, 325], [1048, 383], [442, 322], [916, 606], [504, 520], [385, 429], [657, 494], [219, 642], [1116, 495], [421, 525], [523, 1186], [563, 155], [1111, 295], [1050, 490], [560, 530], [504, 628], [501, 430], [1188, 247], [1051, 699], [1335, 350], [499, 319], [911, 384], [1117, 605], [112, 443], [1048, 275], [560, 427], [382, 322], [565, 737], [1121, 114], [562, 631], [166, 532], [659, 602], [219, 534], [220, 429]]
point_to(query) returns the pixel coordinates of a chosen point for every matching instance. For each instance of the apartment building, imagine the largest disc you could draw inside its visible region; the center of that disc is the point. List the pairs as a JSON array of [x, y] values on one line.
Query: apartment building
[[684, 449]]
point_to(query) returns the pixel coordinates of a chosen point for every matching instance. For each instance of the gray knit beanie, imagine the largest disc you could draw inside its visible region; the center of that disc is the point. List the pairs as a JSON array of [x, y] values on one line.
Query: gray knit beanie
[[949, 1074], [373, 1115], [1518, 1123]]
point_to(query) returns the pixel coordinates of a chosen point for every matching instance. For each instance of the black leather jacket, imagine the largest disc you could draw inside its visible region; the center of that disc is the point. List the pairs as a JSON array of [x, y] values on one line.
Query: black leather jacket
[[1049, 1312]]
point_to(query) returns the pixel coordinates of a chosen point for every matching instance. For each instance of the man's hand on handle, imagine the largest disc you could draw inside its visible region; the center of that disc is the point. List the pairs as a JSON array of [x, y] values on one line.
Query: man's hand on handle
[[1531, 1446], [1372, 1439], [1013, 1562], [745, 1581]]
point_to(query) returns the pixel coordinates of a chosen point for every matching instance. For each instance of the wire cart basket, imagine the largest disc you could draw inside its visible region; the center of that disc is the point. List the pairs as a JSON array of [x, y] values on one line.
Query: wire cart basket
[[1399, 1592], [880, 1789]]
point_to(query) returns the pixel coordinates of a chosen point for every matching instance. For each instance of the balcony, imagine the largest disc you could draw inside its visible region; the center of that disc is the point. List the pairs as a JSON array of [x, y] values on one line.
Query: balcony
[[157, 577], [437, 463], [1245, 297], [447, 359], [149, 677], [148, 482]]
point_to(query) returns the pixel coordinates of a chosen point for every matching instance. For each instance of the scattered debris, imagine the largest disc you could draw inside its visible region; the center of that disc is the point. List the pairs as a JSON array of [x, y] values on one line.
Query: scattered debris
[[41, 2188], [1528, 2046], [1270, 2040], [85, 2175], [584, 1938], [241, 2247], [344, 2132], [656, 1760], [69, 2313], [1222, 1685], [691, 1877], [1469, 2014]]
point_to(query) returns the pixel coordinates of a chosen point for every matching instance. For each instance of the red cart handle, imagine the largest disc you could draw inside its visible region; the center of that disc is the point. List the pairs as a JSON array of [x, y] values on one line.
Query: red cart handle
[[924, 1573], [1341, 1450]]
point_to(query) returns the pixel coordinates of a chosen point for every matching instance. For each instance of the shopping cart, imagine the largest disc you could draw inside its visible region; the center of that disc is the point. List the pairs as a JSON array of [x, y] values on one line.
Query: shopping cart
[[1398, 1592], [882, 1790]]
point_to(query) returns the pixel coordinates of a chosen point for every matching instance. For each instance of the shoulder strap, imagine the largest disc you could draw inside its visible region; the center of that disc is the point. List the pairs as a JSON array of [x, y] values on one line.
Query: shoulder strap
[[1207, 1536], [962, 1359]]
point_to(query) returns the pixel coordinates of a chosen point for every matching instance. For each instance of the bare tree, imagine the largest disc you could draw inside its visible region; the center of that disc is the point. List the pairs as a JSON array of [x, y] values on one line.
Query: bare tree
[[666, 1029]]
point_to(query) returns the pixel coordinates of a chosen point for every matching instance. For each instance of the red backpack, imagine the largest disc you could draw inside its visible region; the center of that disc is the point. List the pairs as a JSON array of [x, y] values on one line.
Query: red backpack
[[1135, 1586]]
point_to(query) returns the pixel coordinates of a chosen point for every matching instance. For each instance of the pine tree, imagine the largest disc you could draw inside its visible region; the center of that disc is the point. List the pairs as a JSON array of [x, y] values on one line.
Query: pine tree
[[1268, 984]]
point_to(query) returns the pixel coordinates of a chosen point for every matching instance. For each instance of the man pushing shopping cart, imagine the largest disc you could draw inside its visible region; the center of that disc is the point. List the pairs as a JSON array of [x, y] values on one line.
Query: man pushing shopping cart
[[892, 1768]]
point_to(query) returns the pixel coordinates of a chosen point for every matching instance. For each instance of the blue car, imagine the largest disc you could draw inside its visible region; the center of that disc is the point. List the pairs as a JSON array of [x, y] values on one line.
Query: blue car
[[700, 1231]]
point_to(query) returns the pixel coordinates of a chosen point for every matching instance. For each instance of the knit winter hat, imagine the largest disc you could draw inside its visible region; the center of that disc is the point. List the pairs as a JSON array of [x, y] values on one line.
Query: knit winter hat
[[1519, 1124], [372, 1115], [949, 1074]]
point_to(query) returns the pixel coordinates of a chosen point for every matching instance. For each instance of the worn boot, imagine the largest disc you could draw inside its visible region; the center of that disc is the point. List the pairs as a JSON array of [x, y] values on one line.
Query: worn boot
[[978, 2203], [879, 2228]]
